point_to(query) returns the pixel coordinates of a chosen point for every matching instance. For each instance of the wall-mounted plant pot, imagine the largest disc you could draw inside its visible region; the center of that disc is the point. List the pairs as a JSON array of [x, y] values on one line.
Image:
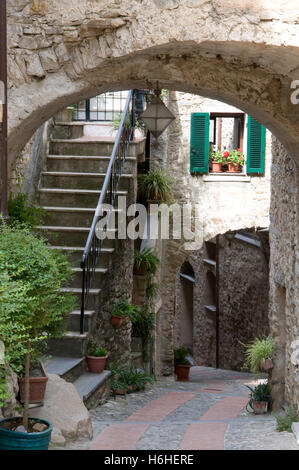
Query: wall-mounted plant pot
[[233, 168], [116, 321], [268, 364], [14, 440], [37, 387], [96, 364], [216, 167], [139, 271], [182, 372], [259, 407]]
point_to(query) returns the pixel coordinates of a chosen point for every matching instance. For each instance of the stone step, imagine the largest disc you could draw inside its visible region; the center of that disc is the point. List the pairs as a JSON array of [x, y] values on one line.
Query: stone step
[[68, 130], [93, 300], [75, 253], [72, 216], [68, 368], [71, 236], [76, 280], [73, 321], [92, 146], [85, 163], [71, 197], [93, 389], [80, 180], [71, 344]]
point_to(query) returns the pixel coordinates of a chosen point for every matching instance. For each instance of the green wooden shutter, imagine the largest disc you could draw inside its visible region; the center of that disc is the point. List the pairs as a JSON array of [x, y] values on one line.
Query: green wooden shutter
[[256, 140], [199, 143]]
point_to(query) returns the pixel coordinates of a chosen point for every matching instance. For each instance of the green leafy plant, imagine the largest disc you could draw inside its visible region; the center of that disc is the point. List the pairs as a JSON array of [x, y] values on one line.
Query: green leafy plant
[[257, 352], [236, 157], [284, 422], [216, 156], [32, 308], [123, 309], [180, 356], [146, 260], [128, 378], [4, 390], [143, 323], [155, 185], [95, 350], [260, 393], [21, 212], [117, 120]]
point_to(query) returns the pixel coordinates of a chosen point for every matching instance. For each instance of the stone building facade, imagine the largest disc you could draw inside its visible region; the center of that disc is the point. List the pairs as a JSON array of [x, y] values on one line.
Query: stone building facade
[[241, 53], [242, 297]]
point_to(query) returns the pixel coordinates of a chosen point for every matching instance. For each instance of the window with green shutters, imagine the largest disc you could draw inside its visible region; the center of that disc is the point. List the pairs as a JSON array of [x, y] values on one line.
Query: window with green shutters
[[199, 143], [256, 142]]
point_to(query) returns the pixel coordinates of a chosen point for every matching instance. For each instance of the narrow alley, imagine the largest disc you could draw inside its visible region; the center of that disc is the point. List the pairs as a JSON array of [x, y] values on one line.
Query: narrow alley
[[206, 413]]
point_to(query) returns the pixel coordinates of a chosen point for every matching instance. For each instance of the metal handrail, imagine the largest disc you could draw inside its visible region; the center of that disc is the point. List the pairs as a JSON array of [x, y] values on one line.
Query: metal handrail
[[108, 194]]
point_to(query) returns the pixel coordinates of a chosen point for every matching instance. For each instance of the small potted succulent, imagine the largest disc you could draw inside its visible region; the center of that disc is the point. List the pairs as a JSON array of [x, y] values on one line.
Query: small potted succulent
[[235, 160], [96, 357], [259, 398], [216, 159], [181, 364]]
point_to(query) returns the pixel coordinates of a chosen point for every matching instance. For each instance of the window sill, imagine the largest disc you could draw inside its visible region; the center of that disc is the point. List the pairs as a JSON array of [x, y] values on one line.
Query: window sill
[[226, 177]]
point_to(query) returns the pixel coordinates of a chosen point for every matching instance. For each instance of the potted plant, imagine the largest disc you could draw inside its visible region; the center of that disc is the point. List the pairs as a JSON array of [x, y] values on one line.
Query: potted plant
[[31, 309], [37, 383], [155, 186], [260, 398], [235, 160], [96, 357], [127, 127], [121, 311], [145, 261], [181, 363], [258, 355], [216, 159]]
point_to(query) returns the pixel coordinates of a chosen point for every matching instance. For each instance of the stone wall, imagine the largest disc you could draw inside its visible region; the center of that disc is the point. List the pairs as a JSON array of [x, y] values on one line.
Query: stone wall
[[243, 302], [284, 277]]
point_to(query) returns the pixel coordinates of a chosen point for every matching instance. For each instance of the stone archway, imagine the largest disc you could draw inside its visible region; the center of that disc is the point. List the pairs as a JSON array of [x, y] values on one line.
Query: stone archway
[[242, 53], [60, 53]]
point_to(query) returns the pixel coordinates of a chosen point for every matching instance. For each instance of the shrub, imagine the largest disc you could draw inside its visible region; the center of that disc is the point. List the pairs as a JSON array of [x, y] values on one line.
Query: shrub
[[31, 307], [21, 212], [284, 423]]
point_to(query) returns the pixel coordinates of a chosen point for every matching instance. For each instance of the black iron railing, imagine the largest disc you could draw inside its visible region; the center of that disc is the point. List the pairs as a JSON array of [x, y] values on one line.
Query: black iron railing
[[109, 189]]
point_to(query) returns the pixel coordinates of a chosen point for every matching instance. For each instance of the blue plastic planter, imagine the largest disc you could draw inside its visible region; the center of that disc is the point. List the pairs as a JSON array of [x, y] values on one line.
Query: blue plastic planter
[[13, 440]]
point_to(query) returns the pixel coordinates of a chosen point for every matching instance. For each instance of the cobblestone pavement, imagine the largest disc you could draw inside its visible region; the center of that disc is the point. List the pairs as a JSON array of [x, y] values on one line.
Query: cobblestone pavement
[[206, 413]]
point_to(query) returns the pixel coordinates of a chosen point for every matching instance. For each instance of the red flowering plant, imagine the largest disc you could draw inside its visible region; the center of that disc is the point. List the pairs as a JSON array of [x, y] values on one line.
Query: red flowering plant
[[236, 157], [216, 157]]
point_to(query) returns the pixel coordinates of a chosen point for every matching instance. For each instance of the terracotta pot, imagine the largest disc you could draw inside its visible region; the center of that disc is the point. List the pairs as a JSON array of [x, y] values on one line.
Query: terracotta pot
[[259, 407], [182, 372], [37, 387], [96, 364], [116, 321], [216, 167], [139, 271], [233, 168], [268, 364]]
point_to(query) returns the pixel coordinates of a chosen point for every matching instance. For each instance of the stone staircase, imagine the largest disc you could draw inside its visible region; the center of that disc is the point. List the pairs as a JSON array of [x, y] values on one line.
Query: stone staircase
[[69, 190]]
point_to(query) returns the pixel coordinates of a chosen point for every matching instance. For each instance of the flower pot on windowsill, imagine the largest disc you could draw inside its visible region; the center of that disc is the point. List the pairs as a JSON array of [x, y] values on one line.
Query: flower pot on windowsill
[[182, 372], [96, 364], [216, 167], [232, 168], [37, 387]]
